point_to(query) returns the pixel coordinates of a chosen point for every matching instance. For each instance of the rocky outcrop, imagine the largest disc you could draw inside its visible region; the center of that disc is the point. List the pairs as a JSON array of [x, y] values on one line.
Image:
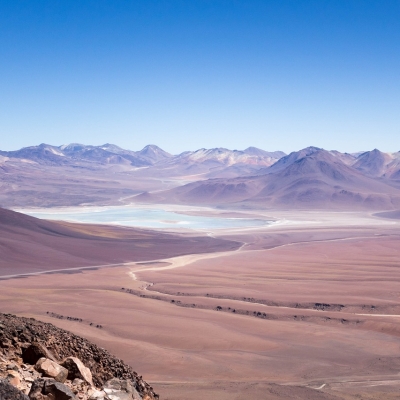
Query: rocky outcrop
[[44, 362]]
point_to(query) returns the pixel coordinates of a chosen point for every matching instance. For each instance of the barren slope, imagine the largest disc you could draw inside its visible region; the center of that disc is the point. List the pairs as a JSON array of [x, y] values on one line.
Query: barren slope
[[29, 245]]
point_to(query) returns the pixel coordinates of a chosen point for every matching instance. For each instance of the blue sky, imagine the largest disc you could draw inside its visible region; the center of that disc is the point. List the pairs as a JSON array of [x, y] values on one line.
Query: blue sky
[[279, 75]]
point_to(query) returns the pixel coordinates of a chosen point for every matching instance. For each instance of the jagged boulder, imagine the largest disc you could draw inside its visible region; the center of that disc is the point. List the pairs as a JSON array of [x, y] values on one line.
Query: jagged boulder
[[51, 369], [9, 392], [58, 391], [34, 352], [121, 389], [49, 389], [76, 370], [37, 389]]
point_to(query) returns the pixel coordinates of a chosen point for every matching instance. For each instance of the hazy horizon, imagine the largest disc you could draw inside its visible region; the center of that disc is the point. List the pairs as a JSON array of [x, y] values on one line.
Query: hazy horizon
[[200, 148]]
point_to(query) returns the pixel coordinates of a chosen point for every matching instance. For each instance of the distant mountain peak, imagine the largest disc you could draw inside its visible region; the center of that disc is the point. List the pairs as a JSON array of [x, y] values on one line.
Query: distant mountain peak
[[110, 145], [295, 156], [373, 163], [154, 153], [151, 147], [312, 149], [72, 147], [255, 151]]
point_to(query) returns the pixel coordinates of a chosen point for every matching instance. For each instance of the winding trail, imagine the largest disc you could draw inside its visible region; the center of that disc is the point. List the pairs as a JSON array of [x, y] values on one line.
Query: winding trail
[[183, 261], [64, 270]]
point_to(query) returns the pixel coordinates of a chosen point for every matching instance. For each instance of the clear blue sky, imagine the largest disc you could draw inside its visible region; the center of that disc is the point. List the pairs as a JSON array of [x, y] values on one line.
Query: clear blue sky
[[280, 75]]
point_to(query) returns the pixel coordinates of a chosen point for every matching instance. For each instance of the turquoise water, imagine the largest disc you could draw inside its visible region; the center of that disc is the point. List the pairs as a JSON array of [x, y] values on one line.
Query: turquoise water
[[144, 218]]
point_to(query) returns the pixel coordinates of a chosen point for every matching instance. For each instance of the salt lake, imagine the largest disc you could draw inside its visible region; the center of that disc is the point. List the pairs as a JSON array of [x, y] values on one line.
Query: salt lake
[[143, 217]]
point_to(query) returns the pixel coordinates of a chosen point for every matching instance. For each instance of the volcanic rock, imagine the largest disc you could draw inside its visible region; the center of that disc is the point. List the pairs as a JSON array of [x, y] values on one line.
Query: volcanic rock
[[34, 352], [76, 369], [51, 369], [58, 391], [49, 389], [122, 389], [9, 392]]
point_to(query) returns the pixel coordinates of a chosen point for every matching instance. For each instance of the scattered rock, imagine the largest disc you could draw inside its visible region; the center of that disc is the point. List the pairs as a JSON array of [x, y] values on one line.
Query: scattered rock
[[12, 366], [51, 369], [95, 394], [49, 389], [76, 369], [9, 392], [14, 378], [121, 389], [37, 389], [30, 355], [34, 352], [58, 391]]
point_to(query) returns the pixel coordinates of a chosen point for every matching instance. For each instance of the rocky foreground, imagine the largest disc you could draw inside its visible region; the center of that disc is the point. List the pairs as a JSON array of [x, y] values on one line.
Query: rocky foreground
[[41, 362]]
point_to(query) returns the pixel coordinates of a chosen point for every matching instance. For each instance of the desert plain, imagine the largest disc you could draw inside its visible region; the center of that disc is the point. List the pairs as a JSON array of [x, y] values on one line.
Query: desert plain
[[307, 307]]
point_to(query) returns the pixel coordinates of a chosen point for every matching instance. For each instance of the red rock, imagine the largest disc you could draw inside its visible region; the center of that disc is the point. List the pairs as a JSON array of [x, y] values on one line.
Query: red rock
[[14, 378], [76, 369], [51, 369], [34, 352]]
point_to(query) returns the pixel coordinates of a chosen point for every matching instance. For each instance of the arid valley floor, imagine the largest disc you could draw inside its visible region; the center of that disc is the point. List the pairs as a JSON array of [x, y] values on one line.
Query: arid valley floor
[[305, 308]]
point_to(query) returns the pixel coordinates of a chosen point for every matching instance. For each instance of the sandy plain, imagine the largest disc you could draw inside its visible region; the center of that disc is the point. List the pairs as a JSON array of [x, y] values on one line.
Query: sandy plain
[[307, 308]]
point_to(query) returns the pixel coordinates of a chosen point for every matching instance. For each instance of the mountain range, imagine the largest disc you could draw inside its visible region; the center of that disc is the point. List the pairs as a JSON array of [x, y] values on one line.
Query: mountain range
[[204, 161], [76, 174], [72, 153], [309, 178]]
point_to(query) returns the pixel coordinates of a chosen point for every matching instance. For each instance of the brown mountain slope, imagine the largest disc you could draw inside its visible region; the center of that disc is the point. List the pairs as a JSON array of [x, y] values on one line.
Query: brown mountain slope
[[313, 178], [291, 158], [29, 245], [324, 181], [373, 163]]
